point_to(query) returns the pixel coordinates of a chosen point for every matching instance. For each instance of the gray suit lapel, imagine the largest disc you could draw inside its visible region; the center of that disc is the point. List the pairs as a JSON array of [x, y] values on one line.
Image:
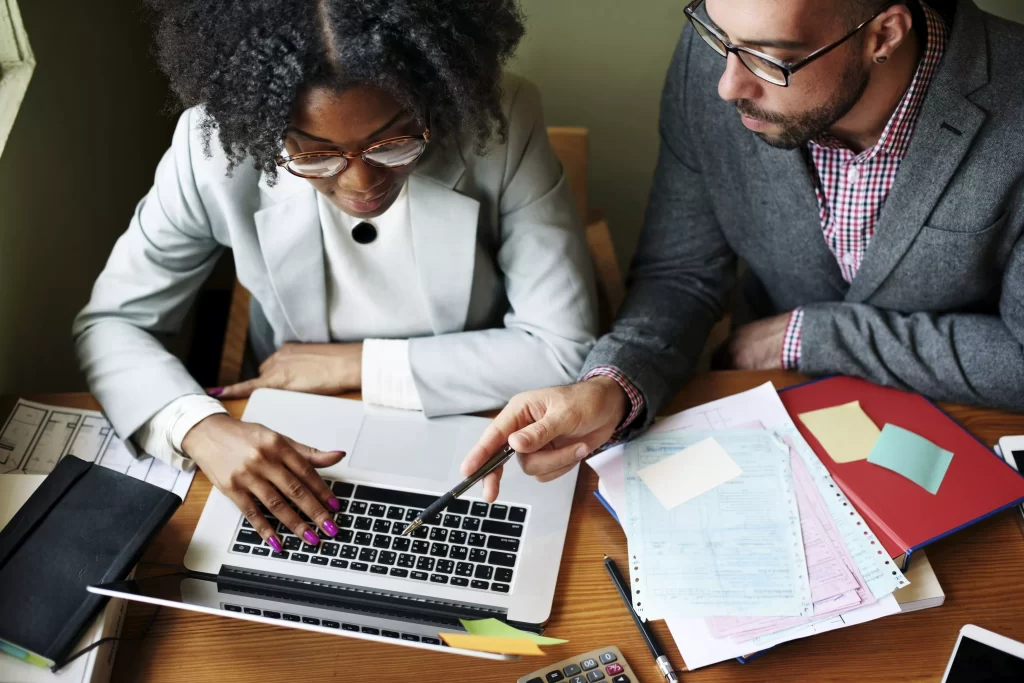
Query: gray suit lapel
[[293, 249], [942, 137]]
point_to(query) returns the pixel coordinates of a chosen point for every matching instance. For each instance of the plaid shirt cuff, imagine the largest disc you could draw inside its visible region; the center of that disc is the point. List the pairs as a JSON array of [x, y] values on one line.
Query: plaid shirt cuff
[[636, 399], [791, 340]]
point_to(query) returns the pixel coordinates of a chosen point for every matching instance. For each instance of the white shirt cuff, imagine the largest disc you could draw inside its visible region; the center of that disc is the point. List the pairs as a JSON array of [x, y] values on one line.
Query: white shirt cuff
[[162, 434], [387, 374]]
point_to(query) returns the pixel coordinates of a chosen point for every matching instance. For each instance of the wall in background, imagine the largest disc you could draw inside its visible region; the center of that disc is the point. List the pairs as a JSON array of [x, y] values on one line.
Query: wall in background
[[601, 64], [81, 154]]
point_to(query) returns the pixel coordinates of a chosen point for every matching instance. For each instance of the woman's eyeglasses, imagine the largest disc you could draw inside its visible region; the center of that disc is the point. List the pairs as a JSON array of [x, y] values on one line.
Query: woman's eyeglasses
[[763, 66], [391, 153]]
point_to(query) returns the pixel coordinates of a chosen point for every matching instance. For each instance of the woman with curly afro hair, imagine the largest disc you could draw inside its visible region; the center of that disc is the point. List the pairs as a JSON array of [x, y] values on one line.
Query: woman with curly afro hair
[[393, 206]]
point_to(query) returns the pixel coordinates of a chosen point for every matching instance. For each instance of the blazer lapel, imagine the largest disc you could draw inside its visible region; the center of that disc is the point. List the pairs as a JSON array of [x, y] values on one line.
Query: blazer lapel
[[292, 244], [444, 235], [942, 137]]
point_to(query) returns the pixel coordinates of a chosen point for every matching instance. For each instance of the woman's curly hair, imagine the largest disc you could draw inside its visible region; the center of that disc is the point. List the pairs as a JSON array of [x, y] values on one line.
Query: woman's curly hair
[[245, 61]]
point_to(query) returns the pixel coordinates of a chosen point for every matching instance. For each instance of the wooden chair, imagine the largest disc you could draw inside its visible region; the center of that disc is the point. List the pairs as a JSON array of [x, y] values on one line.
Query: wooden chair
[[572, 148]]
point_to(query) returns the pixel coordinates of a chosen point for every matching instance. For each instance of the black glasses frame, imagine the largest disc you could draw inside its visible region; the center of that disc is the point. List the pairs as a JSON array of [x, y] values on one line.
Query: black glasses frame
[[787, 68]]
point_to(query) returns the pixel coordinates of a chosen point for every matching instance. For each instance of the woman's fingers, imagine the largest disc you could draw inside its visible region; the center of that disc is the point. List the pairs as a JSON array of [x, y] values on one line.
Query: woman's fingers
[[291, 486], [242, 389], [255, 517], [301, 459]]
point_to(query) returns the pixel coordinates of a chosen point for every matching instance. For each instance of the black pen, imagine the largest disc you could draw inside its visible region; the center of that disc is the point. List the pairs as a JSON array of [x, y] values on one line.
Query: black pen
[[496, 461], [659, 657]]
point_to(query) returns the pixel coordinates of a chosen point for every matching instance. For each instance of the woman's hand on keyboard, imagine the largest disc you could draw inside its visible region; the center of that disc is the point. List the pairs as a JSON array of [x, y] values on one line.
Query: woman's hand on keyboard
[[251, 464], [551, 429]]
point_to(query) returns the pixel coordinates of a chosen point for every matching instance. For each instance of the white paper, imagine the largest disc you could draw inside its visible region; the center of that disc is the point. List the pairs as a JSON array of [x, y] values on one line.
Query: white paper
[[689, 473], [35, 437]]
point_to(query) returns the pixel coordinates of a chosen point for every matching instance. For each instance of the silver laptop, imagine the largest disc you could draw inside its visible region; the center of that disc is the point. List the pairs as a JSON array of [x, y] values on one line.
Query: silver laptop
[[476, 560]]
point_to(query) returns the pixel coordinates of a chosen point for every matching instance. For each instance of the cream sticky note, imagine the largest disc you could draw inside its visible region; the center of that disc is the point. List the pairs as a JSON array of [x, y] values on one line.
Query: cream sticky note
[[495, 645], [499, 629], [845, 432], [690, 472]]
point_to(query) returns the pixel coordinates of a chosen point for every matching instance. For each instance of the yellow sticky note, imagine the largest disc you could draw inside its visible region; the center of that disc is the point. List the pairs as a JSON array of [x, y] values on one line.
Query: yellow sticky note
[[500, 646], [499, 629], [845, 431]]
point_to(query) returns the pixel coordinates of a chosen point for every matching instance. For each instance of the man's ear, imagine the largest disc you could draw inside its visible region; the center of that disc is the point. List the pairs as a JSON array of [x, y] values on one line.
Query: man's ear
[[887, 32]]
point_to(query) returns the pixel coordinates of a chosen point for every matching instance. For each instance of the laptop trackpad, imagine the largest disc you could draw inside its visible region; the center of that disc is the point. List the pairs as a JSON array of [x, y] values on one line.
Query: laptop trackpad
[[400, 442]]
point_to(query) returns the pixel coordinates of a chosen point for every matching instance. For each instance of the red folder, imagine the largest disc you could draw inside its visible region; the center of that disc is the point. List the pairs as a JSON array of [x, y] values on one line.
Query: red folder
[[903, 515]]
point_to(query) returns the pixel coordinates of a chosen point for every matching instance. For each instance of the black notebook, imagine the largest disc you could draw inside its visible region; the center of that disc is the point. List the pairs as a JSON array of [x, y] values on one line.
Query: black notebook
[[84, 525]]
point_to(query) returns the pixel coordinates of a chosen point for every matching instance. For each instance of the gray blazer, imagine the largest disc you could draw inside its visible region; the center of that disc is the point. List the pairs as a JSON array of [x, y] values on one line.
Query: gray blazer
[[938, 304], [501, 256]]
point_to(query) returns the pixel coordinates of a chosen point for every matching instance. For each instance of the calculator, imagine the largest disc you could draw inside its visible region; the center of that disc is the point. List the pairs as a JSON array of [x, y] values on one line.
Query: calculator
[[604, 664]]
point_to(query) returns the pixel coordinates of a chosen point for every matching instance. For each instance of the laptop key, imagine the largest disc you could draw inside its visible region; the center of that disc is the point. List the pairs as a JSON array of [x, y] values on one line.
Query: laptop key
[[410, 637], [397, 528], [241, 548], [430, 641], [292, 543], [502, 528], [438, 534], [420, 547], [477, 540], [478, 510], [292, 617], [419, 576], [345, 536], [378, 569], [245, 523], [498, 511], [482, 585], [339, 564], [459, 581], [349, 627], [330, 624], [342, 489], [381, 526], [396, 513], [464, 569], [363, 538], [458, 552], [400, 573], [517, 514], [381, 541], [369, 630], [499, 587], [342, 505], [501, 559], [349, 552], [477, 555], [445, 566], [394, 497], [280, 556], [299, 557], [387, 557], [483, 572], [377, 510], [471, 524], [407, 561], [329, 549], [503, 574], [249, 536], [458, 537], [345, 521], [271, 615], [261, 551], [400, 544], [439, 550], [509, 545], [391, 634], [364, 523], [459, 507], [438, 578], [359, 566], [420, 531], [319, 559], [307, 548], [452, 521], [367, 555], [411, 515], [426, 564]]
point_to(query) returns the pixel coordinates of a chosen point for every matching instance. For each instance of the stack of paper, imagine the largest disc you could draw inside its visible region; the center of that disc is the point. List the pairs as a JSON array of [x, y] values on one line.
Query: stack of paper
[[782, 533]]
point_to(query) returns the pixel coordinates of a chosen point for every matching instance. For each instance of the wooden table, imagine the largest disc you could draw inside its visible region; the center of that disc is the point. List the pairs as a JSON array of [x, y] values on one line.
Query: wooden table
[[979, 569]]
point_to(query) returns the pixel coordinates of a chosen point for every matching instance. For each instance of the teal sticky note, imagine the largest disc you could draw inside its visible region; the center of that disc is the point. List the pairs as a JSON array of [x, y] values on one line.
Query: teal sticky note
[[913, 456]]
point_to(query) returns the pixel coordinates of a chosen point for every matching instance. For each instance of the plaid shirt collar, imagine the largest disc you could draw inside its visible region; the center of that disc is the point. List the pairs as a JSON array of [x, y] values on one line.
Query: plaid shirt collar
[[896, 136]]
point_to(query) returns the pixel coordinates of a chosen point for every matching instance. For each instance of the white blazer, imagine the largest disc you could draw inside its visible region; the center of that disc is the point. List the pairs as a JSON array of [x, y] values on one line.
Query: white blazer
[[500, 253]]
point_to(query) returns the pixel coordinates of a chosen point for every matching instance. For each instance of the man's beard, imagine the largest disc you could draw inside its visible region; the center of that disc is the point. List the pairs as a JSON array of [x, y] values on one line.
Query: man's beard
[[798, 129]]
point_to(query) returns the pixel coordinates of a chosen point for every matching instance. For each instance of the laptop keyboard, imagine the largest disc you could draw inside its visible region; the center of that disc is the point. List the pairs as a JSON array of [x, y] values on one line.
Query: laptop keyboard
[[472, 544]]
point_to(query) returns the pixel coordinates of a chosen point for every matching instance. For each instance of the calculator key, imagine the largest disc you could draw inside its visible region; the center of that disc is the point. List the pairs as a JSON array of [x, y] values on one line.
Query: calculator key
[[621, 678], [509, 545], [535, 680], [400, 573], [482, 585], [364, 523], [578, 679], [483, 572], [459, 581], [614, 669], [608, 658], [357, 508], [261, 551], [378, 569], [498, 511], [502, 528], [445, 566], [359, 566], [240, 548], [363, 538], [339, 564], [471, 524], [572, 670], [439, 550], [400, 544], [501, 559], [419, 576], [477, 540], [458, 552], [588, 664], [464, 569], [367, 555], [377, 510], [479, 510], [499, 587], [329, 549], [292, 543], [595, 675], [478, 555], [381, 526], [387, 557], [452, 521], [349, 552], [319, 559], [396, 513], [406, 560], [425, 564], [420, 547], [438, 578], [517, 515], [554, 676], [438, 534], [342, 489], [381, 541], [249, 536], [299, 557], [503, 574]]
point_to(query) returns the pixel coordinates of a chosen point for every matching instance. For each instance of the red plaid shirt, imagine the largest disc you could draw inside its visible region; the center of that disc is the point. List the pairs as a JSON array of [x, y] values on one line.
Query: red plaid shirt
[[852, 187], [851, 191]]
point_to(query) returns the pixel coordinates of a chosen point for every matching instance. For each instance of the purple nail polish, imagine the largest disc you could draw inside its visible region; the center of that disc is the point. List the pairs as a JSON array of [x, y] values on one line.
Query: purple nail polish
[[215, 392], [311, 537], [331, 528], [333, 503], [274, 544]]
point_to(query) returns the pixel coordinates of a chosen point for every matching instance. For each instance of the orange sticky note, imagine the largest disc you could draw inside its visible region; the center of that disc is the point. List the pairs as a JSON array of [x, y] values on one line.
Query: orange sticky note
[[500, 646]]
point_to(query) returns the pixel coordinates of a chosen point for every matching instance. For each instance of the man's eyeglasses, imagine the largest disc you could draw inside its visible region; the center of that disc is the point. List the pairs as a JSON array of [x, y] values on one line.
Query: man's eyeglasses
[[391, 153], [763, 66]]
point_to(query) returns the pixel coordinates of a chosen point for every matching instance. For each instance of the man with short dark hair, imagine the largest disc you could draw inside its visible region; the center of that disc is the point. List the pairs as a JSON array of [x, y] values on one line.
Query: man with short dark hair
[[866, 161]]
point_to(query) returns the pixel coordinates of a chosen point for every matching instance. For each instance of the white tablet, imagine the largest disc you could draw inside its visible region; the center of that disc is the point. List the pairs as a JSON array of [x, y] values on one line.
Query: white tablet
[[981, 656]]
